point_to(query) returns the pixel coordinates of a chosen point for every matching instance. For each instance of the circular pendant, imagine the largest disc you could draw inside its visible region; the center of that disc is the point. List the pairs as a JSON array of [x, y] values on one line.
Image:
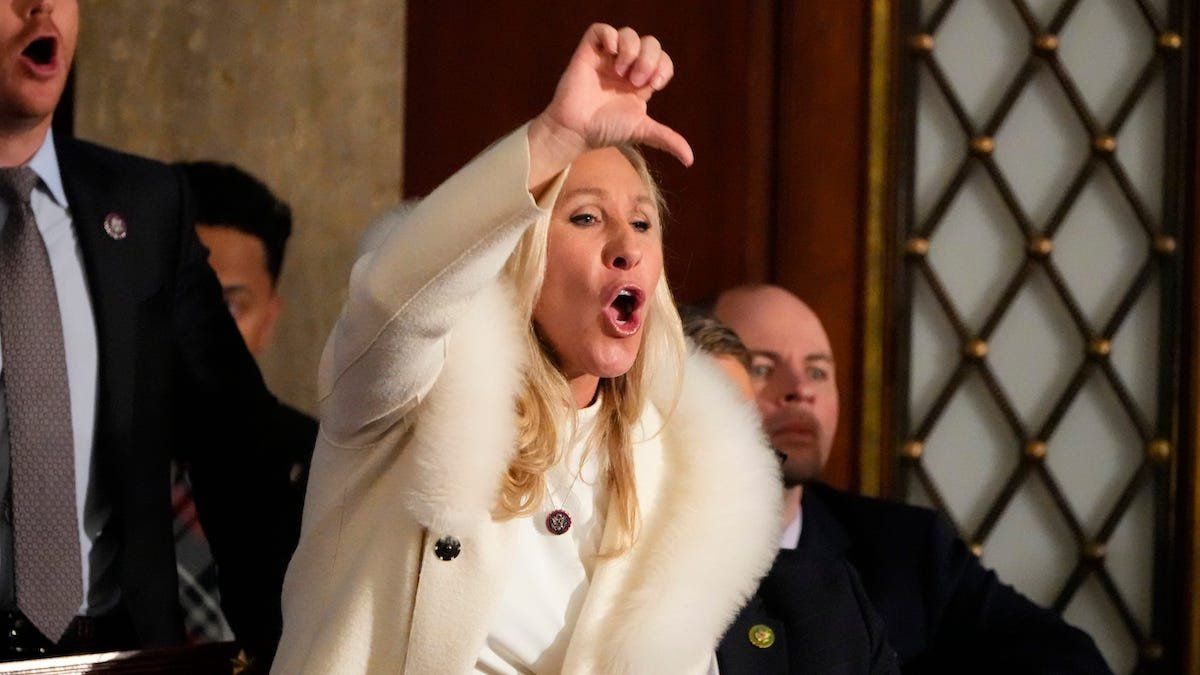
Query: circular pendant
[[558, 521]]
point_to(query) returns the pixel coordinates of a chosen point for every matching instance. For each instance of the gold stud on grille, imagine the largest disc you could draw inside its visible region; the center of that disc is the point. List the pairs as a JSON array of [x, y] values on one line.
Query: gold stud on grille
[[1105, 144], [1164, 245], [912, 450], [982, 146], [917, 247], [1040, 247], [921, 43], [1099, 348], [977, 549], [1035, 450], [1046, 44], [1158, 451], [1095, 551], [976, 349], [1170, 41]]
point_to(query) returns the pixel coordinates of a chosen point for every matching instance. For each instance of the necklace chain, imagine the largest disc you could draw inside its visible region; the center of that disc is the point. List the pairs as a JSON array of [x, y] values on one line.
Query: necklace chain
[[558, 520]]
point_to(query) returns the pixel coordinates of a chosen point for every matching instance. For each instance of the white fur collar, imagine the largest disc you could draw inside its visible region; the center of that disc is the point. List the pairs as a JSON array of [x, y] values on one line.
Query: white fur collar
[[710, 526]]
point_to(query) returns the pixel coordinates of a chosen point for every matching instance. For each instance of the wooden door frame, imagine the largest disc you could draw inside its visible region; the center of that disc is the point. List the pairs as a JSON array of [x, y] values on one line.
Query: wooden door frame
[[1188, 494]]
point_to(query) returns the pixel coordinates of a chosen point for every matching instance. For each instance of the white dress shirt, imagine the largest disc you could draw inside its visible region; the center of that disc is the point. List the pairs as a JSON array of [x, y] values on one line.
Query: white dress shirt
[[790, 538]]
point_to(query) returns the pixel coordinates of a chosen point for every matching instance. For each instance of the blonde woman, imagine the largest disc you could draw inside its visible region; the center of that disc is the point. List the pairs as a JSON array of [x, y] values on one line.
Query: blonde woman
[[519, 468]]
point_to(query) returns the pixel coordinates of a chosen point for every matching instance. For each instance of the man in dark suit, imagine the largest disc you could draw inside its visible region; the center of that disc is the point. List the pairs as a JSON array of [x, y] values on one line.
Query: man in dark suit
[[943, 611], [116, 352], [810, 613], [245, 228]]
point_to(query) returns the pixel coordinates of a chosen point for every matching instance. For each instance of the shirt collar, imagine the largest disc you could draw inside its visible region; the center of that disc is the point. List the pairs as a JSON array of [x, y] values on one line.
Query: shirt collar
[[45, 165]]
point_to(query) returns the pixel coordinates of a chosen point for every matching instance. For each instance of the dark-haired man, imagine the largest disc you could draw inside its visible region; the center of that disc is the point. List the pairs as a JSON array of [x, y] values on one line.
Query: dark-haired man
[[115, 354], [943, 611], [245, 227]]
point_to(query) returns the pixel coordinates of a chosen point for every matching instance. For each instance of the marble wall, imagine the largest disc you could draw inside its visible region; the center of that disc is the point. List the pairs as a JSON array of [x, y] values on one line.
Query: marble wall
[[306, 95]]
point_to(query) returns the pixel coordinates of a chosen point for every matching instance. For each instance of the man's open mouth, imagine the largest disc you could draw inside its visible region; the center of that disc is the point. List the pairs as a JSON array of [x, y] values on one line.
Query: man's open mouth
[[42, 51]]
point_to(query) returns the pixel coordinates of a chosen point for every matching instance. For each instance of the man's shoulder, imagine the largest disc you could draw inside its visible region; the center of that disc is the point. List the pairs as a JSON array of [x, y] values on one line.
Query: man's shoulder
[[77, 155], [859, 514]]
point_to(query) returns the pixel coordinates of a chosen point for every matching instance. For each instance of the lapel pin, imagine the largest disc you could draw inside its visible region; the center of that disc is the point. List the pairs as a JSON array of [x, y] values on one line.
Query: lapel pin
[[114, 225], [762, 636]]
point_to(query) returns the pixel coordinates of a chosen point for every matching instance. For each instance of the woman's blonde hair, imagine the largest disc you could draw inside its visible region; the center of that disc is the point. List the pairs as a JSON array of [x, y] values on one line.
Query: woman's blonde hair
[[546, 407]]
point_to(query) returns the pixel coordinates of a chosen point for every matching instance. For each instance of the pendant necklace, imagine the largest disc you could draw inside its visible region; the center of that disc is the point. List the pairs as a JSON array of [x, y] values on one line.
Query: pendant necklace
[[559, 521]]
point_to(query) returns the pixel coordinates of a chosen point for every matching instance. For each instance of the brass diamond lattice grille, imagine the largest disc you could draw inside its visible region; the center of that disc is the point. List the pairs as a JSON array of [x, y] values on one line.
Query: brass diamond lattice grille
[[1093, 334]]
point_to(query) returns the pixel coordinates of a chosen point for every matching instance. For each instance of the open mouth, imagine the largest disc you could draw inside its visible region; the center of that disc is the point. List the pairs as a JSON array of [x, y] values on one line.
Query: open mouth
[[41, 52], [623, 310]]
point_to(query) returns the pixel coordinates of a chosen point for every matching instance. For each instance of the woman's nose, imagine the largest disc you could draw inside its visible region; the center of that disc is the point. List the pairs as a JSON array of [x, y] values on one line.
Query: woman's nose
[[623, 254]]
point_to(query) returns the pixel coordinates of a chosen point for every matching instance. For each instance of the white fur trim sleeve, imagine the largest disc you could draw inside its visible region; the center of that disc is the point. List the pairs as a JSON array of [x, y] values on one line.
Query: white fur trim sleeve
[[388, 345]]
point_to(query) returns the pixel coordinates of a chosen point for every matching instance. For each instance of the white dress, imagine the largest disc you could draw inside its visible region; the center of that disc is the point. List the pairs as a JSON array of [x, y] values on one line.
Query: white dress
[[550, 573]]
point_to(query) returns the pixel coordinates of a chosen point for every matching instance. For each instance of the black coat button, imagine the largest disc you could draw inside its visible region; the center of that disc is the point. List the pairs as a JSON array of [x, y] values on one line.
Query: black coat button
[[447, 548]]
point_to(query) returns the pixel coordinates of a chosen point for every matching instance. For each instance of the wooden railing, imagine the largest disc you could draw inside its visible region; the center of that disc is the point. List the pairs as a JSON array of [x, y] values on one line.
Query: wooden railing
[[211, 659]]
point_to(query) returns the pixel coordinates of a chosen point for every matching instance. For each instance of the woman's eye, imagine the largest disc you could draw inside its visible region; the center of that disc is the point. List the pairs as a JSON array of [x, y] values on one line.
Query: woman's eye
[[583, 219], [817, 374], [641, 225]]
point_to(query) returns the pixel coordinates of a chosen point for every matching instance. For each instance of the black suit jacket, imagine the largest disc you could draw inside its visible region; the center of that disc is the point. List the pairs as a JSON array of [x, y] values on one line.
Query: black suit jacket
[[295, 436], [176, 379], [944, 612], [822, 620]]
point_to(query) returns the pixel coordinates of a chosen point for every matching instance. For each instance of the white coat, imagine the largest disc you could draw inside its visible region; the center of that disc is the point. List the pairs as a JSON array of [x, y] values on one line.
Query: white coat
[[417, 386]]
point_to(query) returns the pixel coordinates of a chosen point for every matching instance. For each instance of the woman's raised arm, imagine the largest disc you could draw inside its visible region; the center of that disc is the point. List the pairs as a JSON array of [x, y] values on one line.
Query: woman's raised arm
[[387, 348]]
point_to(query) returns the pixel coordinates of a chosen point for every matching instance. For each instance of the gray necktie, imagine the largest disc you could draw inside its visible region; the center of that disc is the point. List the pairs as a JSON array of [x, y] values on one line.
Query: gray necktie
[[49, 586]]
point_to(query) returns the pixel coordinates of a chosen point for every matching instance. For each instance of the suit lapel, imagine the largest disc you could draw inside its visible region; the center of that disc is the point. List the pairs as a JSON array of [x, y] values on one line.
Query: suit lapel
[[110, 266], [820, 529]]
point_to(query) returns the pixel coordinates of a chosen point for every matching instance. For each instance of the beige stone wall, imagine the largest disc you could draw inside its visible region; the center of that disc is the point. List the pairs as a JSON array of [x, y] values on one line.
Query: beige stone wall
[[305, 94]]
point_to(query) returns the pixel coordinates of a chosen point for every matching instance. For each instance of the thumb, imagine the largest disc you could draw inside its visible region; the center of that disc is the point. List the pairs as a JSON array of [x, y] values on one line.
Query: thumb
[[663, 137]]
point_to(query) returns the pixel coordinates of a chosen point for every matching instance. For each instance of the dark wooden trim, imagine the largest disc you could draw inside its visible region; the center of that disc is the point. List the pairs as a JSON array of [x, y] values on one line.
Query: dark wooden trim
[[722, 100], [1188, 502], [209, 659], [821, 200], [903, 274], [877, 403]]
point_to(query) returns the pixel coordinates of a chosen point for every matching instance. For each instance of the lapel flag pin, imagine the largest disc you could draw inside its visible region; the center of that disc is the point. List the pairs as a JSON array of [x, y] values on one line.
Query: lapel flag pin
[[114, 225]]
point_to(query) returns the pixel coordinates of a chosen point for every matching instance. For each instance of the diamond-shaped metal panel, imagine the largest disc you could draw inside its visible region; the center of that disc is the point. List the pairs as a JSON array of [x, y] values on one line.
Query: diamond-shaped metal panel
[[973, 453], [1101, 52], [1034, 378], [977, 249], [1100, 248], [1031, 558], [1093, 476], [985, 34], [1044, 246], [1041, 131]]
